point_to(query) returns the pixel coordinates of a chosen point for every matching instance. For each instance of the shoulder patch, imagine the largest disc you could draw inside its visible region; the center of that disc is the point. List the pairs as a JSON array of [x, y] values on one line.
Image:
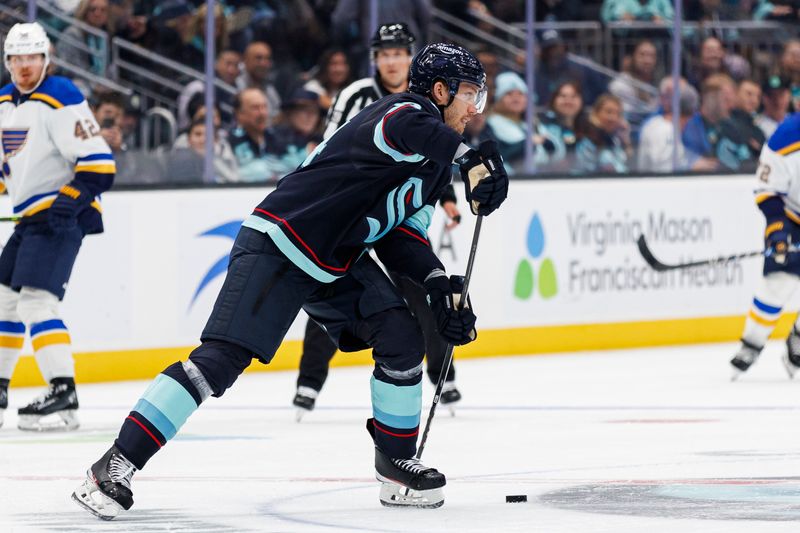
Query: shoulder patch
[[57, 92], [786, 139]]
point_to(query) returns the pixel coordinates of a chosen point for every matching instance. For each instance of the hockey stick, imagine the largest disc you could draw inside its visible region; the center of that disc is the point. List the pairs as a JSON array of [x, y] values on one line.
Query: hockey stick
[[10, 219], [448, 358], [658, 266]]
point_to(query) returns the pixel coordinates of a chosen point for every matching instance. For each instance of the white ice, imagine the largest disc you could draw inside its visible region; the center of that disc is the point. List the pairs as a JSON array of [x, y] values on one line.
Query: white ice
[[656, 440]]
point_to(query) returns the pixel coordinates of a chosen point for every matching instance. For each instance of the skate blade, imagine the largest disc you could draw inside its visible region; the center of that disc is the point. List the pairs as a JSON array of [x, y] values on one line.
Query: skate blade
[[89, 496], [736, 374], [790, 368], [59, 421], [395, 495], [300, 413], [2, 411]]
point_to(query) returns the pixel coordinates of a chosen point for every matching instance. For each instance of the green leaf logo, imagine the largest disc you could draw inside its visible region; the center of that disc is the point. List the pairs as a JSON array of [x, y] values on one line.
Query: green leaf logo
[[523, 285], [548, 285]]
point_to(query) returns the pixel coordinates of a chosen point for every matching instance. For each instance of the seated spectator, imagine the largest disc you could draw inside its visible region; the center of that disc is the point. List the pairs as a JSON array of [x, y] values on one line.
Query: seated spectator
[[256, 147], [95, 14], [777, 97], [564, 124], [714, 59], [171, 25], [606, 146], [194, 50], [710, 133], [640, 10], [777, 10], [555, 68], [333, 74], [790, 66], [631, 87], [299, 130], [226, 69], [557, 10], [186, 164], [258, 74], [710, 12], [743, 116], [657, 139], [507, 119]]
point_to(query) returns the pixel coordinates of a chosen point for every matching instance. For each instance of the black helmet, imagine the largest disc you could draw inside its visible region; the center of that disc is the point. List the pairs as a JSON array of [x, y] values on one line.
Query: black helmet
[[392, 35], [451, 64]]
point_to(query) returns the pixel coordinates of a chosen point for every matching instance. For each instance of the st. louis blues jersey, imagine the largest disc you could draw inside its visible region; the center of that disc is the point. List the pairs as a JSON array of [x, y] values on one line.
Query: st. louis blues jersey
[[374, 183], [49, 138], [778, 191]]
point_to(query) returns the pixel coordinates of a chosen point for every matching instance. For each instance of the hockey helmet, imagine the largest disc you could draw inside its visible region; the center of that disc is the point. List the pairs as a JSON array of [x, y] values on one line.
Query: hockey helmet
[[26, 39], [392, 35], [448, 63]]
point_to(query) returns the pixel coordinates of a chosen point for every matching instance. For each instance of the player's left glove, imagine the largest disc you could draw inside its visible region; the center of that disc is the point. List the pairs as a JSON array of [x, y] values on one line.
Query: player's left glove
[[71, 199], [485, 178]]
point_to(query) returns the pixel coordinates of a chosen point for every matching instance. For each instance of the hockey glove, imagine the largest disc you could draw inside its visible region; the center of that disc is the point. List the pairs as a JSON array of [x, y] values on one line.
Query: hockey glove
[[71, 199], [777, 240], [484, 177], [456, 326]]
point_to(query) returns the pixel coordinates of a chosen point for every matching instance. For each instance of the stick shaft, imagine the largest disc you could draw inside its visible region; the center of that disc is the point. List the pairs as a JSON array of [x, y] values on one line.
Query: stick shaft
[[658, 266], [448, 358]]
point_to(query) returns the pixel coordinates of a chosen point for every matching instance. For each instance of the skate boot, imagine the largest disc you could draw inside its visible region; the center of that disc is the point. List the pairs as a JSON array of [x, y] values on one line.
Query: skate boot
[[744, 358], [106, 492], [304, 400], [450, 396], [408, 483], [3, 398], [55, 410], [791, 358]]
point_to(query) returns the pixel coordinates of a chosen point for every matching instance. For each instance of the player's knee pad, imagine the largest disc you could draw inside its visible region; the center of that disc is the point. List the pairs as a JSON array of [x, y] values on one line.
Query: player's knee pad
[[777, 287], [220, 363], [9, 299], [36, 305]]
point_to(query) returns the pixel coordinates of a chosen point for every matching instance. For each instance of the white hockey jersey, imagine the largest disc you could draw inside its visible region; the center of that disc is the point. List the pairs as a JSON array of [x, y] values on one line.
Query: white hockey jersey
[[47, 139]]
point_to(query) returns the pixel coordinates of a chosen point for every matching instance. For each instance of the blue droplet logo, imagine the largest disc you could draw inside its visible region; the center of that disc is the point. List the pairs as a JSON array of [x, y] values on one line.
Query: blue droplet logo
[[535, 237]]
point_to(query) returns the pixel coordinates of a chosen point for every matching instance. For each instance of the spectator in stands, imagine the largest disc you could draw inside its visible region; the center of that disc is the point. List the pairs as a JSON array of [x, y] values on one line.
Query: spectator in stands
[[657, 138], [555, 68], [711, 12], [778, 11], [299, 129], [258, 73], [606, 147], [777, 99], [351, 26], [171, 24], [194, 50], [333, 74], [640, 10], [558, 10], [790, 66], [95, 60], [256, 147], [565, 124], [186, 164], [710, 133], [491, 65], [226, 69], [635, 86], [743, 116], [714, 59], [507, 119]]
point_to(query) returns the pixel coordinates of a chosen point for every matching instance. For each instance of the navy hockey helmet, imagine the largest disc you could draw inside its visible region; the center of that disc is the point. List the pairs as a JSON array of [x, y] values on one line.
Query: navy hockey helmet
[[392, 35], [450, 64]]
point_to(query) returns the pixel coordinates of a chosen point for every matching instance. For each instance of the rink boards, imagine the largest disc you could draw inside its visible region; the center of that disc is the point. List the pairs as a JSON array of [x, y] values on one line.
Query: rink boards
[[557, 270]]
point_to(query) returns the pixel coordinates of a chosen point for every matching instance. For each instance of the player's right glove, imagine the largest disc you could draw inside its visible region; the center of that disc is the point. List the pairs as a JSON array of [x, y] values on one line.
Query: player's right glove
[[456, 326], [71, 199], [777, 241], [484, 177]]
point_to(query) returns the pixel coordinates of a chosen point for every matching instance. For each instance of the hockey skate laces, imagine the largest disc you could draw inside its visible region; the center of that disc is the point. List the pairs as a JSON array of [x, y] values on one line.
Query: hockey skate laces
[[121, 470], [411, 465]]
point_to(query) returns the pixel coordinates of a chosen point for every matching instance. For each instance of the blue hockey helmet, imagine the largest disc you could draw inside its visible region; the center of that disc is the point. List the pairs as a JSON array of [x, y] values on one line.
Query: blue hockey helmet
[[448, 63], [393, 35]]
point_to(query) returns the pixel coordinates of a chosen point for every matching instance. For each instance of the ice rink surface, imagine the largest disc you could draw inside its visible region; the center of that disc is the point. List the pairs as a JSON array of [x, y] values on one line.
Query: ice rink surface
[[655, 440]]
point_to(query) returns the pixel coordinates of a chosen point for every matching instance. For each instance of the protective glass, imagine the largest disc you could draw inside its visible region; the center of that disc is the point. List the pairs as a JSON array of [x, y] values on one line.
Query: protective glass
[[473, 96]]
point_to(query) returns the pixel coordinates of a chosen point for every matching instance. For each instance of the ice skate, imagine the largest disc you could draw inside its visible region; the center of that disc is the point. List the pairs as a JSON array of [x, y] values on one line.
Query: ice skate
[[106, 492], [3, 398], [791, 358], [55, 410], [744, 359], [304, 400], [408, 483], [450, 396]]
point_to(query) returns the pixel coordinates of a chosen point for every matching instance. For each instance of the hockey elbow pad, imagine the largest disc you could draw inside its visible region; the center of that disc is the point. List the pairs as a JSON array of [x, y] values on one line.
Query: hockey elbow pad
[[485, 178]]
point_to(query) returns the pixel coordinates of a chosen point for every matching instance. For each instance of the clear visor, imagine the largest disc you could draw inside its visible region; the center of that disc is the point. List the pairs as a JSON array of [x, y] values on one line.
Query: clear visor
[[27, 60], [472, 95]]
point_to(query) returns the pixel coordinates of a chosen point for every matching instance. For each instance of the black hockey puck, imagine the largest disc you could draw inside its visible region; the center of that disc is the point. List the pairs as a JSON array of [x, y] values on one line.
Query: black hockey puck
[[516, 498]]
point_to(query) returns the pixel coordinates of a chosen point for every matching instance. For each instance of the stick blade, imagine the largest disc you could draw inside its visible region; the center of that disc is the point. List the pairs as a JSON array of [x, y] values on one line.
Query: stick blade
[[648, 256]]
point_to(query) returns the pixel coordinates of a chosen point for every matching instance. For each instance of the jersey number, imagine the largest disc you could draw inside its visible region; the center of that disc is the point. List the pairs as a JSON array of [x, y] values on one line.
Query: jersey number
[[87, 132]]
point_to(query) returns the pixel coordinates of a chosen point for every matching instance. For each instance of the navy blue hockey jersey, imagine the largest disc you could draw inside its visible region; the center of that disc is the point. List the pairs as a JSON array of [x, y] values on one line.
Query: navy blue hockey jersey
[[374, 183]]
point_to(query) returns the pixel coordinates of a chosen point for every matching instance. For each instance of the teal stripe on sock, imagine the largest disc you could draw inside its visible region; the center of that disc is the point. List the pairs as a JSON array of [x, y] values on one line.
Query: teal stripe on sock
[[155, 417], [395, 400], [399, 422], [171, 399]]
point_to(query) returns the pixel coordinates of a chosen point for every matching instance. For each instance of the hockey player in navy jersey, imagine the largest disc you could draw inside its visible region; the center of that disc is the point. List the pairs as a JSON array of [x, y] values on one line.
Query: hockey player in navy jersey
[[373, 184], [778, 198], [55, 164]]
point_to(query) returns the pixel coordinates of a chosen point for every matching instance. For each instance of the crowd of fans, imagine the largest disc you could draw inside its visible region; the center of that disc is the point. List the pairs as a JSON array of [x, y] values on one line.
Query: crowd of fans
[[282, 64]]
